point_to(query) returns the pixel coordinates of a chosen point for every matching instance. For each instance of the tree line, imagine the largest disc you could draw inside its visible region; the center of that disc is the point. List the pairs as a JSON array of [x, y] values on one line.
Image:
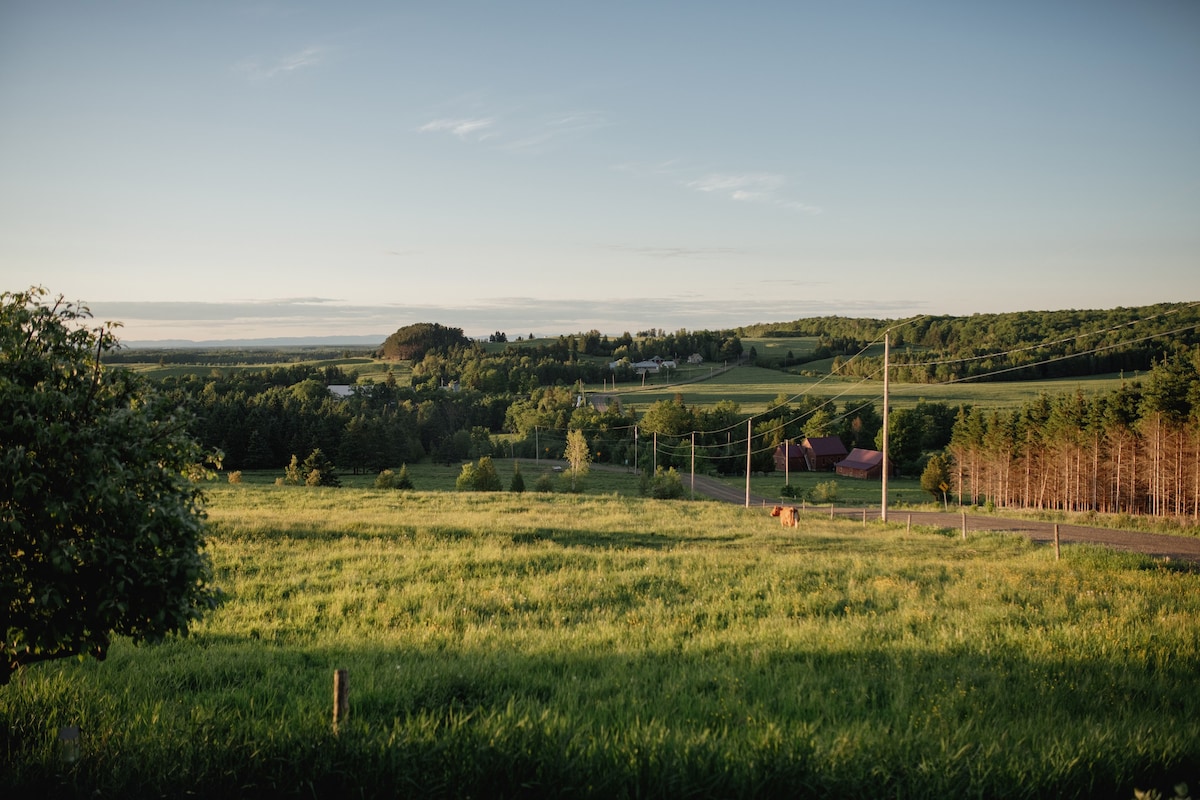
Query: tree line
[[1134, 450], [1025, 345]]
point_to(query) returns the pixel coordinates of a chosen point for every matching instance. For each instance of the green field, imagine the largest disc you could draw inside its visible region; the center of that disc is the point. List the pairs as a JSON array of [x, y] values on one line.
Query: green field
[[604, 646], [754, 388]]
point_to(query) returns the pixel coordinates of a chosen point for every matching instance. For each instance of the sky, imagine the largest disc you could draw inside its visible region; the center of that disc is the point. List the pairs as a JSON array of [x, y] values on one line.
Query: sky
[[231, 170]]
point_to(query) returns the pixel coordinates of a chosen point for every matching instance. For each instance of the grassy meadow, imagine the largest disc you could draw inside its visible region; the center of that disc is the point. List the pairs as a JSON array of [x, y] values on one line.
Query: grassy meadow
[[550, 645]]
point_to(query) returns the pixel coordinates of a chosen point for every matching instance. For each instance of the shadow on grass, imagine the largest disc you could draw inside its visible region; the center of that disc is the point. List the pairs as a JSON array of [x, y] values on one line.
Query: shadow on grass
[[218, 716]]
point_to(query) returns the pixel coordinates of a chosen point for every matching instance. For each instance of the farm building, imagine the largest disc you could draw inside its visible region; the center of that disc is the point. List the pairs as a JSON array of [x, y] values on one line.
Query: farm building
[[861, 464], [822, 453], [790, 457]]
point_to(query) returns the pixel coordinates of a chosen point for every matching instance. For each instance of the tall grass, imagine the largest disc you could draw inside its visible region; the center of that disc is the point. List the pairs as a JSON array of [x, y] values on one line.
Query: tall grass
[[600, 646]]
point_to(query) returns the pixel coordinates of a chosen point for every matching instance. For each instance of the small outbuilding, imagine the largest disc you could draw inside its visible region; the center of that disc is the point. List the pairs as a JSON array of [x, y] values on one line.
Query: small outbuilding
[[790, 458], [861, 464], [822, 453]]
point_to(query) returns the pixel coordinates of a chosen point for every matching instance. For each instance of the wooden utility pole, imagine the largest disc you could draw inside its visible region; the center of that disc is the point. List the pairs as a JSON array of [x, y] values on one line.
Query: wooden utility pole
[[747, 463], [883, 501], [693, 465]]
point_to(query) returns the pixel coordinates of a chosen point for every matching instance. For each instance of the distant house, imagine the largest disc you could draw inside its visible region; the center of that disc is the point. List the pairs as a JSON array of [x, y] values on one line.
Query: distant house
[[695, 358], [790, 458], [821, 453], [861, 464]]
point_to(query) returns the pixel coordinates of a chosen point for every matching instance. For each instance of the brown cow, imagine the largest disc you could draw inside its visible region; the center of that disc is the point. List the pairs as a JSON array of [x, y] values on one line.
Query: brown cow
[[775, 512], [789, 517]]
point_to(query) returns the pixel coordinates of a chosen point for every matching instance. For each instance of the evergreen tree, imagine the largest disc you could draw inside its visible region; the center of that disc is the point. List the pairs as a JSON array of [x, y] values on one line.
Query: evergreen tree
[[326, 473]]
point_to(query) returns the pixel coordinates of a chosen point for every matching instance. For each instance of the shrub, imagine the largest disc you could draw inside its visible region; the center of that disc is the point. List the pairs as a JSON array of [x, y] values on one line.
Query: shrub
[[663, 485], [544, 483], [486, 479], [319, 465], [465, 482], [517, 484], [235, 476], [403, 480], [385, 480], [824, 492], [291, 473]]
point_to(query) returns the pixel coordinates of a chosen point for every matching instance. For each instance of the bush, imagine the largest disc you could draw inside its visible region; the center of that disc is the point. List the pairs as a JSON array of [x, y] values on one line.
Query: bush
[[385, 480], [663, 485], [318, 470], [824, 492], [486, 478], [788, 491], [478, 477], [517, 484], [403, 480], [465, 482], [544, 483], [235, 476]]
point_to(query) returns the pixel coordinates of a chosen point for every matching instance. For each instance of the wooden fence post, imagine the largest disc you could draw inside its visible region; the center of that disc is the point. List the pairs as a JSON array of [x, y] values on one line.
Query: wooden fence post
[[68, 741], [909, 528], [1056, 550], [964, 524], [341, 697]]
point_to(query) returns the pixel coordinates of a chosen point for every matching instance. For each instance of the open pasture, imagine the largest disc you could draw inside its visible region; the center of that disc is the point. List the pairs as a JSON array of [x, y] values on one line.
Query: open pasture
[[547, 645], [754, 389]]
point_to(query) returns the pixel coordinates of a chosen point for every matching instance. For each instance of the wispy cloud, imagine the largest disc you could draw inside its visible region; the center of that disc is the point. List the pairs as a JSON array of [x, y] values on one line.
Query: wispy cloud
[[535, 135], [256, 69], [751, 187], [766, 188], [476, 129], [515, 131]]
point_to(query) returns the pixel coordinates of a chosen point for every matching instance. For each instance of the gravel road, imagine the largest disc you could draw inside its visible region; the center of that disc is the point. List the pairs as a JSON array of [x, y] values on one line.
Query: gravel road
[[1158, 545]]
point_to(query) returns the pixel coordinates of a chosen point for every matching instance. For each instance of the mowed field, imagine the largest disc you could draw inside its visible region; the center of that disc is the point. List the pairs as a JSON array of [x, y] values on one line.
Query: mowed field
[[549, 645]]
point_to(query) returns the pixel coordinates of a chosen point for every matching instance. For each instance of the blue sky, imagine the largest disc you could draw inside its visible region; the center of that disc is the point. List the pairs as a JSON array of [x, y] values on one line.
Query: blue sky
[[213, 170]]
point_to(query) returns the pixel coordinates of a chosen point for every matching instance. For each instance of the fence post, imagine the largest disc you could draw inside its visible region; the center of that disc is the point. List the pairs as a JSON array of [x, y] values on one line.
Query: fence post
[[864, 516], [831, 510], [1056, 550], [68, 741], [964, 525], [341, 697], [909, 528]]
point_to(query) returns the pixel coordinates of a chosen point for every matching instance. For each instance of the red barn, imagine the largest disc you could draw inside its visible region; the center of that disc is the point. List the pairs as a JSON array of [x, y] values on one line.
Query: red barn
[[822, 452], [861, 464], [790, 457]]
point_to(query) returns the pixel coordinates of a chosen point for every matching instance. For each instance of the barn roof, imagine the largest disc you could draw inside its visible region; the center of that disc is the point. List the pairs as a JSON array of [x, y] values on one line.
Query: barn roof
[[826, 445], [862, 459]]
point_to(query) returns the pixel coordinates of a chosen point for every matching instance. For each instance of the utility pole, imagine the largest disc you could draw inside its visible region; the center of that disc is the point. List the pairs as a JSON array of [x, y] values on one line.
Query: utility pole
[[883, 497], [693, 465], [747, 463], [787, 462]]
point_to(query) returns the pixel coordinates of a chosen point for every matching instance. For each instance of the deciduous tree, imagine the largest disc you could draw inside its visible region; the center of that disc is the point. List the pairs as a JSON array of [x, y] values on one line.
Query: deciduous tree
[[101, 517]]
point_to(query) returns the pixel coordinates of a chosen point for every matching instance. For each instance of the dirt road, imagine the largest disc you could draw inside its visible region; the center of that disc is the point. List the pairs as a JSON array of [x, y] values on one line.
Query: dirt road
[[1185, 548]]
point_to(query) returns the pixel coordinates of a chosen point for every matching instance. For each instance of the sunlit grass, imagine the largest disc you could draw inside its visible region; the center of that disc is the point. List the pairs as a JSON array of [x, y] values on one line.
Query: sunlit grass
[[606, 646]]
